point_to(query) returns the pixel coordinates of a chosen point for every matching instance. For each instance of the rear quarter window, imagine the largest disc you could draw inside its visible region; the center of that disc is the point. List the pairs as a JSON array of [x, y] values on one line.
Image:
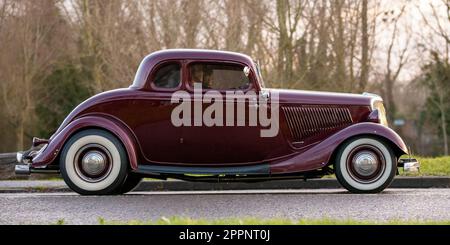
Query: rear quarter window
[[167, 76]]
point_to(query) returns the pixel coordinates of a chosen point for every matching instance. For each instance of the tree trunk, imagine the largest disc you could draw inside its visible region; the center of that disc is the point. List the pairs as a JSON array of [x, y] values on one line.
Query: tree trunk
[[339, 44], [285, 52], [19, 135], [443, 125], [364, 48], [191, 22], [444, 133], [233, 34], [391, 109]]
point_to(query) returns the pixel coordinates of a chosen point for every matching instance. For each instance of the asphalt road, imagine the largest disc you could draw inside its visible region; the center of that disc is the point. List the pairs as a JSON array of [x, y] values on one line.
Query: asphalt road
[[47, 208]]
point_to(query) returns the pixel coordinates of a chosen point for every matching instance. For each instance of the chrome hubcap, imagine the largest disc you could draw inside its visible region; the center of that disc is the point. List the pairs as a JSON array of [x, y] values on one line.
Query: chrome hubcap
[[365, 163], [93, 163]]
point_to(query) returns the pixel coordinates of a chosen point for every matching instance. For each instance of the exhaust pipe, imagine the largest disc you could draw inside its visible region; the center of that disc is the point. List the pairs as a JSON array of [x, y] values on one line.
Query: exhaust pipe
[[22, 169]]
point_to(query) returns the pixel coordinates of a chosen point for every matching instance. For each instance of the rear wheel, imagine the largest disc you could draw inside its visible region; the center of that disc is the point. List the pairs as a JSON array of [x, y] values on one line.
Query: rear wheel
[[365, 165], [131, 182], [94, 162]]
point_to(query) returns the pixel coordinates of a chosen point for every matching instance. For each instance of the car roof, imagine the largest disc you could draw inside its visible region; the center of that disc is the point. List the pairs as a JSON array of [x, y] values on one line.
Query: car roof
[[151, 60]]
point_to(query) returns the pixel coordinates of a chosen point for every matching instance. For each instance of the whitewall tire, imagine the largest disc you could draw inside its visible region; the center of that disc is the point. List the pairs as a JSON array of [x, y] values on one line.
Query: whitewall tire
[[94, 162], [365, 165], [131, 182]]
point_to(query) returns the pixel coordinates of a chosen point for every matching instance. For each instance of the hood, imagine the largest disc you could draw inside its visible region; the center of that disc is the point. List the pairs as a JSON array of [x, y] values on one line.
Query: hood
[[322, 98]]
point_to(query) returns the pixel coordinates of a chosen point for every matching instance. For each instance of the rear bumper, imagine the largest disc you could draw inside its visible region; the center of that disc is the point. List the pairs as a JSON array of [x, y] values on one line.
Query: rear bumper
[[409, 165], [37, 147], [25, 167]]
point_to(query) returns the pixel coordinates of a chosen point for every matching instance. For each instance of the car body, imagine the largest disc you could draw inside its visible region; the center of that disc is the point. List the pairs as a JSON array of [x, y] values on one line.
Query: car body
[[313, 130]]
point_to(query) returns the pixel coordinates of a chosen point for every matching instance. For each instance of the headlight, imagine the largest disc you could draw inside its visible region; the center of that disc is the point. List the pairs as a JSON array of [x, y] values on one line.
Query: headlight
[[378, 105]]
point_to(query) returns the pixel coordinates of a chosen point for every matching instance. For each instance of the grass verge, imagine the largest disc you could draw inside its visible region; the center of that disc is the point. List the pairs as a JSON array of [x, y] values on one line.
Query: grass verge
[[277, 221]]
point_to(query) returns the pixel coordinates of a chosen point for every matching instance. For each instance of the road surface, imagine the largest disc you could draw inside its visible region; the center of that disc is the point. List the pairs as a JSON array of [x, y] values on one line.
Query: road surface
[[48, 208]]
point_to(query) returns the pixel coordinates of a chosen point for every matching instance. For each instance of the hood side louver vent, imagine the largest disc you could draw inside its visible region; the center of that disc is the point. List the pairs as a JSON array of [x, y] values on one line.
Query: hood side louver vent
[[307, 121]]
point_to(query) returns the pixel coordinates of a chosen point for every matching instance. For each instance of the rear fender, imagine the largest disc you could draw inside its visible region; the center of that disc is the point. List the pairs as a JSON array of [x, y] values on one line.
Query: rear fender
[[320, 154], [108, 123]]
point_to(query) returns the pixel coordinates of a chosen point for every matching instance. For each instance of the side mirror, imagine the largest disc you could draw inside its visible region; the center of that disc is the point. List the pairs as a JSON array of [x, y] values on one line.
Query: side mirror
[[264, 95]]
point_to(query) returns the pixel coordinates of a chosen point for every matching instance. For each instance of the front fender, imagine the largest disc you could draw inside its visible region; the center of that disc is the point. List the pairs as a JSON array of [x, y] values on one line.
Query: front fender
[[319, 155], [111, 124]]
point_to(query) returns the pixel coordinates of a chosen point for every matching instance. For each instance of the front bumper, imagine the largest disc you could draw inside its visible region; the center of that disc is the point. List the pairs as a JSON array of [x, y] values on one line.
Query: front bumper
[[410, 165]]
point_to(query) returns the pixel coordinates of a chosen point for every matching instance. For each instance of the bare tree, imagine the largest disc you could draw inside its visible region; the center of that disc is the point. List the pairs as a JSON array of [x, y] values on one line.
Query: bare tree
[[288, 15], [339, 41], [364, 47], [256, 13], [439, 26], [234, 25], [191, 21], [320, 55], [392, 71], [30, 49], [440, 104]]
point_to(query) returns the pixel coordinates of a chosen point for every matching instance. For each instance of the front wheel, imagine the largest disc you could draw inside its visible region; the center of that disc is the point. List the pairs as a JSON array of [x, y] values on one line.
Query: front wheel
[[94, 162], [365, 165]]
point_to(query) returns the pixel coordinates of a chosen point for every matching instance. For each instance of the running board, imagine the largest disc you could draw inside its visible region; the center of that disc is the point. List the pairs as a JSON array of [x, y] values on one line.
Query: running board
[[260, 169]]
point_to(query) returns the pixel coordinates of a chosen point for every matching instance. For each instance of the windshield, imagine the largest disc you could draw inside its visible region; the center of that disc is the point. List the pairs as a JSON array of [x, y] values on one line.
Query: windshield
[[258, 71]]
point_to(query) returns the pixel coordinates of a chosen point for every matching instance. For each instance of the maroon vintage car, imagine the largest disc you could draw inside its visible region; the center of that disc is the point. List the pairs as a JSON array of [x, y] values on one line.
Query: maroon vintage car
[[190, 115]]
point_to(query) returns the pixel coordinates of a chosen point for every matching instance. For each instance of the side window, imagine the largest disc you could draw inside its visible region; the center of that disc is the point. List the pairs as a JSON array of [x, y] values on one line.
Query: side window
[[219, 76], [168, 76]]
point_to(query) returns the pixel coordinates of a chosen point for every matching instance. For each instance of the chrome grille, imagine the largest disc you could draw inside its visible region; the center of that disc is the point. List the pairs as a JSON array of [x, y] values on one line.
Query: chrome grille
[[307, 121]]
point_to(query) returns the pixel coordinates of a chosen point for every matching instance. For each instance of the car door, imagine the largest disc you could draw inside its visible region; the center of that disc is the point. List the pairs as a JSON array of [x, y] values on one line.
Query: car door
[[229, 143], [158, 138]]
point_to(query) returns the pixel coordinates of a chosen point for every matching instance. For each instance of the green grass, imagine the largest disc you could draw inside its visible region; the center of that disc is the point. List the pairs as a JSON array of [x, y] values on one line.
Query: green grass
[[277, 221], [431, 166], [60, 222]]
